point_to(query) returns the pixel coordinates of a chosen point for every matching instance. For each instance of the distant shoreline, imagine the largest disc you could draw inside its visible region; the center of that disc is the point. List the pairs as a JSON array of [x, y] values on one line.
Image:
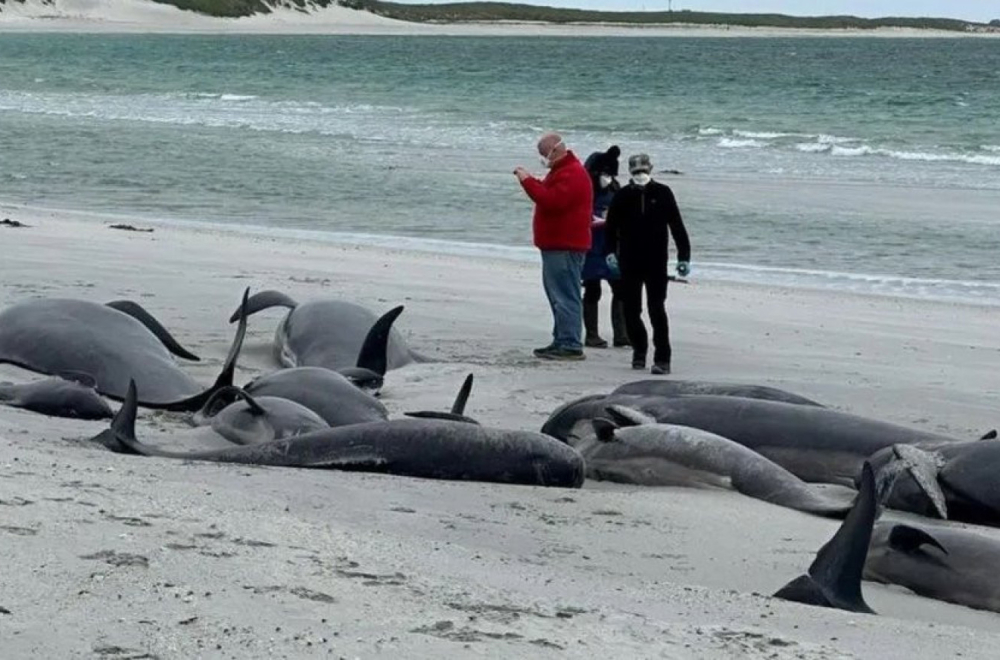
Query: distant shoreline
[[145, 16]]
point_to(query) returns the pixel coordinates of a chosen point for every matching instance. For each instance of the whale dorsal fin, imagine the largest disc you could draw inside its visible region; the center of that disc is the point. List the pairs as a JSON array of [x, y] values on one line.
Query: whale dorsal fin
[[839, 564], [605, 429], [372, 355], [462, 398], [261, 301], [136, 311], [122, 427], [909, 539], [625, 416]]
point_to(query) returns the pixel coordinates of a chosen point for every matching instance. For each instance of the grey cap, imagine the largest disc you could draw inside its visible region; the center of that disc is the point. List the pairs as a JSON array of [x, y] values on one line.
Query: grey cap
[[639, 163]]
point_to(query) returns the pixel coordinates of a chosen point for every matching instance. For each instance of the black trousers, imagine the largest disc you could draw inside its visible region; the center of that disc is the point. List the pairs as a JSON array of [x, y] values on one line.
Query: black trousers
[[592, 290], [654, 281]]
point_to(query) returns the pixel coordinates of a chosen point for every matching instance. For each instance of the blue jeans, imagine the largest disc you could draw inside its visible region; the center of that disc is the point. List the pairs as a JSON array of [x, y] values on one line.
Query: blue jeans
[[561, 277]]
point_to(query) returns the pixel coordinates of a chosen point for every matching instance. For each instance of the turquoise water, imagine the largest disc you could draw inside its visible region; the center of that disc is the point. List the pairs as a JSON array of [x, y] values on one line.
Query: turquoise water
[[861, 164]]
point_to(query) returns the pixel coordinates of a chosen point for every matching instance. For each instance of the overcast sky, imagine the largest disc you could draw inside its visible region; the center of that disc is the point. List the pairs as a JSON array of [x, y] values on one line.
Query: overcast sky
[[972, 10]]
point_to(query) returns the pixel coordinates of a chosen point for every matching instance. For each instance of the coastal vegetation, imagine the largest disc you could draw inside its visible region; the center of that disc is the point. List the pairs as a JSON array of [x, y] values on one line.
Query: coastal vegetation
[[480, 12]]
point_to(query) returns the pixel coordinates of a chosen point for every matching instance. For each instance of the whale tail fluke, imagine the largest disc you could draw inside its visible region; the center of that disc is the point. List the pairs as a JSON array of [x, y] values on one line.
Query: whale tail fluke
[[922, 466], [261, 301]]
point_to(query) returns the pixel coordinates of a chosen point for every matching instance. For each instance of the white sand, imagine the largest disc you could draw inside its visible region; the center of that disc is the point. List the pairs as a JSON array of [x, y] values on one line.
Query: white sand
[[149, 16], [230, 561]]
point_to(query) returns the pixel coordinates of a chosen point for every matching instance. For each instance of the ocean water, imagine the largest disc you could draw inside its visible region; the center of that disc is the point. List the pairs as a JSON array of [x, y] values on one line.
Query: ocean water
[[868, 165]]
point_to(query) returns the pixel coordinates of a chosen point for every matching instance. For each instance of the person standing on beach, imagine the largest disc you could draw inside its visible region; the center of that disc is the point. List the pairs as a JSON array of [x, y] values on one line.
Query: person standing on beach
[[603, 168], [641, 218], [561, 229]]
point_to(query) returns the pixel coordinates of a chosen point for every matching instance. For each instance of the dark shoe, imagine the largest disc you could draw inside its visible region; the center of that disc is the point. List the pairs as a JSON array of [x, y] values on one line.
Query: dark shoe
[[559, 353], [595, 341], [660, 369], [545, 349], [638, 363], [621, 343]]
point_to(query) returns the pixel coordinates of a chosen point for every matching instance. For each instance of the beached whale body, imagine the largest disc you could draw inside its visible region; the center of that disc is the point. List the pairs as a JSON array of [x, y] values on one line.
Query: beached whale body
[[634, 449], [325, 333], [57, 397], [813, 443], [945, 563], [434, 449], [61, 335], [327, 393]]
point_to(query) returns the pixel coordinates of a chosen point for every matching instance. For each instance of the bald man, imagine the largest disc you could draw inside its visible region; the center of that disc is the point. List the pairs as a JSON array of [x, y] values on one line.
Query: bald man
[[561, 227]]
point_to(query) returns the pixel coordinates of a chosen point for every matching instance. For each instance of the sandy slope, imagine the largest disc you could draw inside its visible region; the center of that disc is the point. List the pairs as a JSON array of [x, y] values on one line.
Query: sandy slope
[[149, 16], [126, 555]]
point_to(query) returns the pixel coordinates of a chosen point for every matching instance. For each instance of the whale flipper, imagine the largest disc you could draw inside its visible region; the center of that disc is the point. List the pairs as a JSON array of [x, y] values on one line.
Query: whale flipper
[[625, 416], [834, 578], [909, 539], [136, 311], [261, 301]]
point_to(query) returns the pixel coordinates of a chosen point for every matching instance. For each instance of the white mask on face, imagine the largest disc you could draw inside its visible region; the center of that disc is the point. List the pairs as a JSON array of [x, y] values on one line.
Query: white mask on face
[[546, 159], [641, 178], [605, 180]]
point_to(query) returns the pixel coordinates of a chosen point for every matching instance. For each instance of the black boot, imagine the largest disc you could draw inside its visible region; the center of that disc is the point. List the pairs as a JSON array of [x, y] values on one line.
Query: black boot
[[620, 338], [593, 338]]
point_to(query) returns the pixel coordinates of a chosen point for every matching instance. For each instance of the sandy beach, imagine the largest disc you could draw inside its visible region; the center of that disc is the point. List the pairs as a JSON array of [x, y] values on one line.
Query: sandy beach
[[130, 557], [146, 16]]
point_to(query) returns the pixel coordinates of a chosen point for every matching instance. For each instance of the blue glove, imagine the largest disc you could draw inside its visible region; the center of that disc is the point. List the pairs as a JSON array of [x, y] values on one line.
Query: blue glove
[[612, 261], [683, 268]]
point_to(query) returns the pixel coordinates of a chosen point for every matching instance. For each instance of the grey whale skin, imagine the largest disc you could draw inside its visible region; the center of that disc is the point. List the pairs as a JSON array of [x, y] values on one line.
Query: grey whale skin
[[113, 347], [695, 387], [634, 450], [813, 443], [434, 449], [945, 563], [325, 333]]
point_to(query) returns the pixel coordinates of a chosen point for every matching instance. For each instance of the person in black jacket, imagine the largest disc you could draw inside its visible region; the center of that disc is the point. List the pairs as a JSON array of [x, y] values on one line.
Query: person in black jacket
[[641, 218]]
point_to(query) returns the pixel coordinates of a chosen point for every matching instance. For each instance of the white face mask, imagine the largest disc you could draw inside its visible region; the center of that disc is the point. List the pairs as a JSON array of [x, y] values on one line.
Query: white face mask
[[605, 180], [545, 159], [641, 178]]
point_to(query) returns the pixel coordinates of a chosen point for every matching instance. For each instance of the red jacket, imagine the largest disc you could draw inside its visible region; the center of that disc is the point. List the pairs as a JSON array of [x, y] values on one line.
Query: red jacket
[[564, 201]]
